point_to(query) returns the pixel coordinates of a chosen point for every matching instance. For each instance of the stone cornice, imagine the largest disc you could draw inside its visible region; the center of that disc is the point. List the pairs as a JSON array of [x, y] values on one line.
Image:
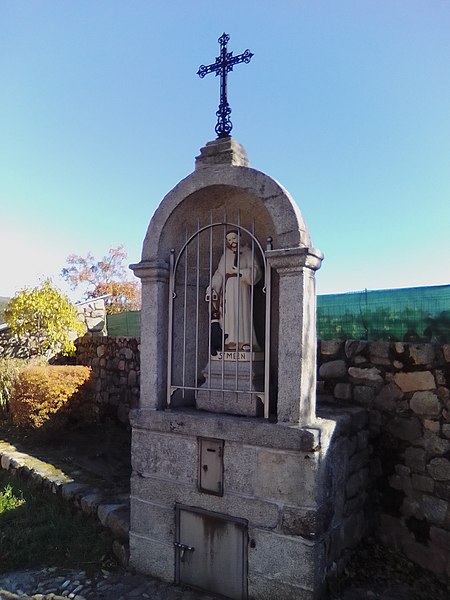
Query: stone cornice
[[292, 259], [154, 269]]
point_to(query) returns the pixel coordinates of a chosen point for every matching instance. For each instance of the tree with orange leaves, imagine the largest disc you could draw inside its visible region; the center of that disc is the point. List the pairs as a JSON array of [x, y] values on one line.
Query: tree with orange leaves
[[107, 277]]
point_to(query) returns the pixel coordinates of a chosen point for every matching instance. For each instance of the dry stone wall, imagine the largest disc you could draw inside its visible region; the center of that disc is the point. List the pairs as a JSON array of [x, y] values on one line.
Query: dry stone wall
[[93, 314], [115, 364], [10, 347], [405, 388], [346, 513]]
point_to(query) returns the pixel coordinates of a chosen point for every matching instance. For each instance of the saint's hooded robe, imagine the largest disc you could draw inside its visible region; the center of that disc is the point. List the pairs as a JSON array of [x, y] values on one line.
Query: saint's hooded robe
[[235, 292]]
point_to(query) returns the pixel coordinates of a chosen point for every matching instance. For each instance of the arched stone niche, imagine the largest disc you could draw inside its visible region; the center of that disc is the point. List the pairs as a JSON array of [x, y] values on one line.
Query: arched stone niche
[[224, 188]]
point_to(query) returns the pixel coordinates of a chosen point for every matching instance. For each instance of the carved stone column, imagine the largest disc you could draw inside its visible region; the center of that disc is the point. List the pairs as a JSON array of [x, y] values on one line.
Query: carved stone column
[[154, 275], [297, 343]]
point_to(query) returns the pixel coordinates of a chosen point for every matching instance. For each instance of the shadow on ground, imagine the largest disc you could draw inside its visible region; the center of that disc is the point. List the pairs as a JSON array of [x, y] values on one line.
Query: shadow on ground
[[101, 452]]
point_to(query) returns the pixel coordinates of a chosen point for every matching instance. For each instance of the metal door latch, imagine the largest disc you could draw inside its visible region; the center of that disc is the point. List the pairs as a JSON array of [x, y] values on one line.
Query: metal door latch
[[184, 548]]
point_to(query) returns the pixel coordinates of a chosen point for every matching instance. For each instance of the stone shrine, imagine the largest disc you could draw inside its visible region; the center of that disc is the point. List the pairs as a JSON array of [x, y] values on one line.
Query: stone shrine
[[237, 486]]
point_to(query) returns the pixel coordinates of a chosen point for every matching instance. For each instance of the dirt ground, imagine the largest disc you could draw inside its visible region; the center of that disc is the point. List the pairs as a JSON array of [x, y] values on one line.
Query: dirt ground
[[101, 452]]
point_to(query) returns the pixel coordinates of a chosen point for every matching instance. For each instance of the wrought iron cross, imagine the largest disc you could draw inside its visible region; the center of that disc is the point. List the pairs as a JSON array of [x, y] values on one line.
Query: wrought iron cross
[[223, 65]]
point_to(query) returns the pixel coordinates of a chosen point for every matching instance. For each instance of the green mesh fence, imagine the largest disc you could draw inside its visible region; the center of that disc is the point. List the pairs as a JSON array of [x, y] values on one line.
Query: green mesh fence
[[419, 314], [127, 324]]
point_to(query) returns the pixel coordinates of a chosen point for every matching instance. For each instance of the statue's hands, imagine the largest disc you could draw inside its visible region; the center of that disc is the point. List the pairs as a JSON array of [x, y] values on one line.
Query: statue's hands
[[208, 296]]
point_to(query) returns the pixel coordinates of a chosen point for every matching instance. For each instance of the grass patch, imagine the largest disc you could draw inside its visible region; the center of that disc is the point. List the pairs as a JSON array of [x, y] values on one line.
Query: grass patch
[[39, 529], [8, 501]]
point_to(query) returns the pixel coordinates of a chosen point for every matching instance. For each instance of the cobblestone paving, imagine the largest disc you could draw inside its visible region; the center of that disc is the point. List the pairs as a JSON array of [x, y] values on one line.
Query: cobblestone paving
[[63, 584]]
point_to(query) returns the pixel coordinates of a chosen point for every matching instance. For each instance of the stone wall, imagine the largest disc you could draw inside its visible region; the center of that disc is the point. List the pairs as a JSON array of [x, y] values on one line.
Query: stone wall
[[93, 314], [404, 455], [405, 388], [10, 347], [347, 512], [115, 364]]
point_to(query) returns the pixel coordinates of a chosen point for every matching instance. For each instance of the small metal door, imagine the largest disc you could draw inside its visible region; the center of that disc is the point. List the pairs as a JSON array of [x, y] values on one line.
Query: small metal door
[[211, 552], [210, 466]]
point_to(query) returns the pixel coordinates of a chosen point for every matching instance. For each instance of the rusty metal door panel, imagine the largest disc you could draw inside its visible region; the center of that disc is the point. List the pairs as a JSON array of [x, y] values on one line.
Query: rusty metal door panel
[[211, 552], [210, 468]]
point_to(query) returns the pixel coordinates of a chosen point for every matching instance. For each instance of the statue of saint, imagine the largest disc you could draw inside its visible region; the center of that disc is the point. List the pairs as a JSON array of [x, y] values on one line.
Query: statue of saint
[[230, 293]]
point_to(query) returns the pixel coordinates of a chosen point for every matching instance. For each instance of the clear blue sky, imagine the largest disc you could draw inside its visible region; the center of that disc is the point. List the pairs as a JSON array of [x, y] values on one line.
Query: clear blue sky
[[346, 103]]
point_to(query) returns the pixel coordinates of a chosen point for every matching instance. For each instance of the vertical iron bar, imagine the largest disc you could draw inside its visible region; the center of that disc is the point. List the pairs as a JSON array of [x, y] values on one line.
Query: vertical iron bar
[[223, 80], [224, 295], [186, 254], [268, 283], [238, 282], [210, 303], [170, 332], [252, 295], [197, 307]]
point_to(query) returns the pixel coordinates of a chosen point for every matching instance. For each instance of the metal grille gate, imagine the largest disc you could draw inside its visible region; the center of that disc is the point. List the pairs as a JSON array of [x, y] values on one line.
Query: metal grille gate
[[192, 340]]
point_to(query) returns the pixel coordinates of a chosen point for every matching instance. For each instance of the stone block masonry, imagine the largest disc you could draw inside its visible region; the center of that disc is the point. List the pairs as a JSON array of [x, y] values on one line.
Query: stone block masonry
[[405, 388], [115, 364], [305, 495]]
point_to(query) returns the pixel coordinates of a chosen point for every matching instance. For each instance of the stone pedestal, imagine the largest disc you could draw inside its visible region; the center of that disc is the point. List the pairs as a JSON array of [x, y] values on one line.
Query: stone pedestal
[[301, 492], [234, 384], [224, 151]]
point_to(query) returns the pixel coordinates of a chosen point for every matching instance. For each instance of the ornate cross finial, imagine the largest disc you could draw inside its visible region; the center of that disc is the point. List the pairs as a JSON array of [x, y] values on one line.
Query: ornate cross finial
[[223, 65]]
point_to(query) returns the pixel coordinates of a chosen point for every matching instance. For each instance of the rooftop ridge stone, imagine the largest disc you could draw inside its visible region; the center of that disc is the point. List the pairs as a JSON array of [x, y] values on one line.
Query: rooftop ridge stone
[[222, 152]]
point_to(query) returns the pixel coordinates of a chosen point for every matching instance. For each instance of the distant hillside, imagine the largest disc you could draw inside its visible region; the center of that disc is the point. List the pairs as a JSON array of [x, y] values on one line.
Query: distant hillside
[[3, 302]]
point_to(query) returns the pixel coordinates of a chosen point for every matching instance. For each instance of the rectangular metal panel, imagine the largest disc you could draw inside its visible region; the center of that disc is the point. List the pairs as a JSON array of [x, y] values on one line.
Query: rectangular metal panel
[[211, 552], [210, 466]]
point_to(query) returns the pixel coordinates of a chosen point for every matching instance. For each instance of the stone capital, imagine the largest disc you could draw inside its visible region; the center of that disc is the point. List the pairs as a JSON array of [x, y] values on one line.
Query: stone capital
[[291, 260], [151, 270]]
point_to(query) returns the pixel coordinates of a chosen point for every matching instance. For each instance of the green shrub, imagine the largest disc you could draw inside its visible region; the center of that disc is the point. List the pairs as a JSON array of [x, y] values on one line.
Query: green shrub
[[44, 321], [51, 395]]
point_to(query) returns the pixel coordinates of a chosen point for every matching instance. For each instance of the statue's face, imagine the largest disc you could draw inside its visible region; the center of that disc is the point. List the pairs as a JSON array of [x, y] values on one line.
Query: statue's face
[[232, 240]]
